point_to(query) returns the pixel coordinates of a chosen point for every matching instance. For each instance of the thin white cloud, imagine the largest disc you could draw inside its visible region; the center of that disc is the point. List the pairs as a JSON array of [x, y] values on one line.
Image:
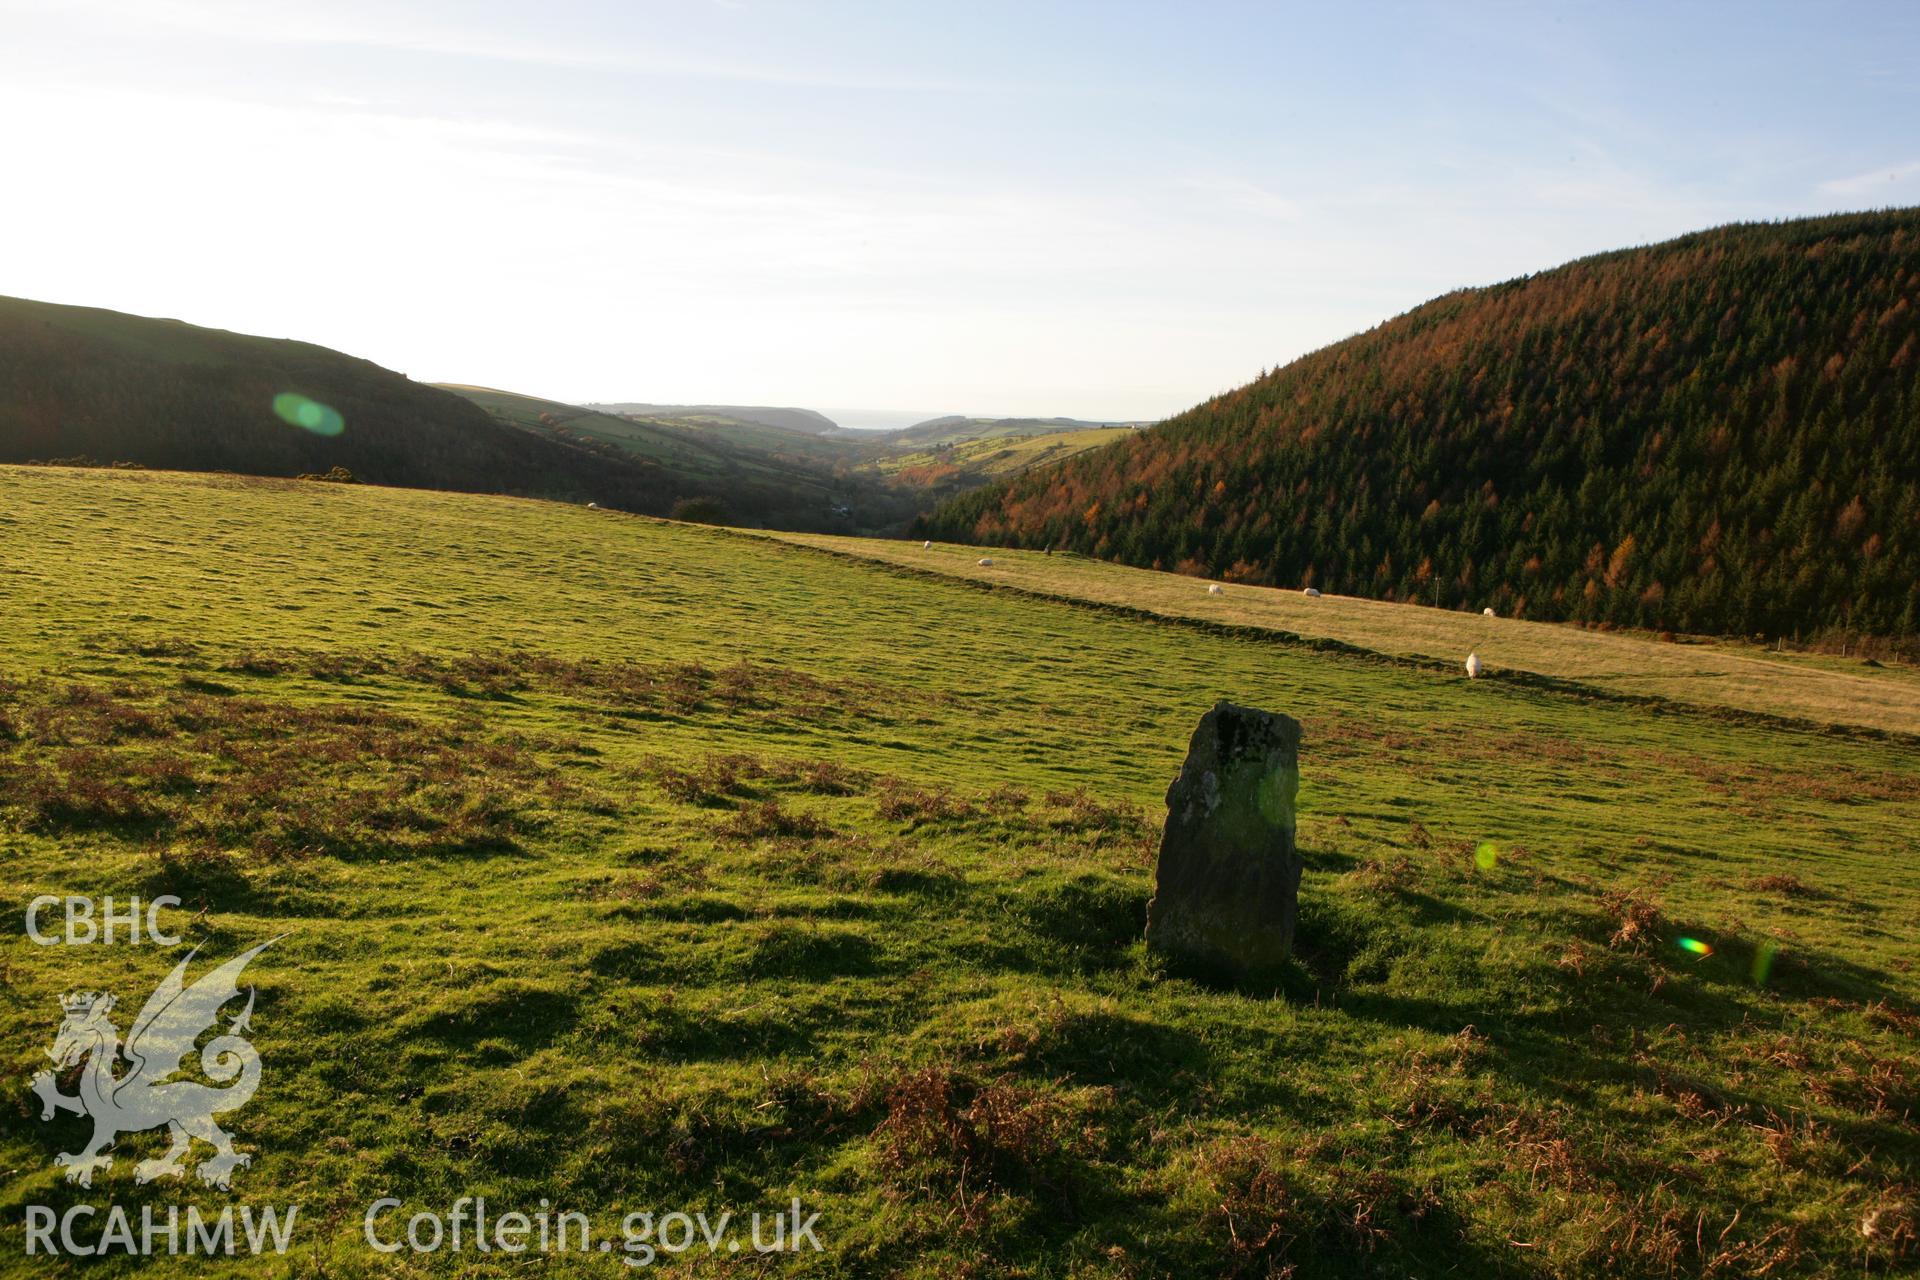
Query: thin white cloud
[[1243, 195], [1873, 182], [595, 201], [388, 28]]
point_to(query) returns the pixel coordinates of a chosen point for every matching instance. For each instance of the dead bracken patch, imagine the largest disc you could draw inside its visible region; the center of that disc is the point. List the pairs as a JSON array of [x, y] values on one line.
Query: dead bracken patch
[[1784, 883], [1005, 799], [1542, 1142], [1575, 958], [1795, 1140], [1832, 784], [1385, 873], [1655, 1233], [1870, 1085], [951, 1140], [277, 780], [1080, 811], [1891, 1226], [1886, 1013], [1271, 1202], [720, 779], [1434, 1088], [770, 820], [1635, 919], [681, 689], [1258, 1202], [902, 802]]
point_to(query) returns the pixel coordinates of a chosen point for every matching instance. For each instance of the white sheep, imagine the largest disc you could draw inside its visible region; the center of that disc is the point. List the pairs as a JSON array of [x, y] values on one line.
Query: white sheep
[[927, 545], [986, 562], [1215, 589], [593, 506], [1312, 593], [1488, 611], [1473, 666]]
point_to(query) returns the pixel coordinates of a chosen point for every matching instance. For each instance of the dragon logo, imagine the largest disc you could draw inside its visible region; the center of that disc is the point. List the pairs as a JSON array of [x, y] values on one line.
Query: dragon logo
[[165, 1031]]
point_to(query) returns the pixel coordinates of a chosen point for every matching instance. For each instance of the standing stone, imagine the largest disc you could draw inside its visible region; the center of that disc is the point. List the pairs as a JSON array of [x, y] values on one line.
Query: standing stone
[[1227, 885]]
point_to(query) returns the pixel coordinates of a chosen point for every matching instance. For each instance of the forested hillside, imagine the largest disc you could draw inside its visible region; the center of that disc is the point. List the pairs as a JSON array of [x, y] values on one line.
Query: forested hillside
[[1719, 433]]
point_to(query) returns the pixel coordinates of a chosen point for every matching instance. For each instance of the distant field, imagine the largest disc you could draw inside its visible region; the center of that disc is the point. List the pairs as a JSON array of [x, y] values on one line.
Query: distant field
[[1710, 673], [643, 866], [994, 456]]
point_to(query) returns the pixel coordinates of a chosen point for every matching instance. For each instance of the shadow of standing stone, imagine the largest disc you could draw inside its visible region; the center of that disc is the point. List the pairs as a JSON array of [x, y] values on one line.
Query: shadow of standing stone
[[1227, 884]]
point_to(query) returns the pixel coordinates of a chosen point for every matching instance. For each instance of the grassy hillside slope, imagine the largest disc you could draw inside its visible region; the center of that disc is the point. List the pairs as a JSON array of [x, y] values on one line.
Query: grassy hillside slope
[[77, 381], [642, 866], [1720, 433], [1821, 688], [761, 474], [649, 440]]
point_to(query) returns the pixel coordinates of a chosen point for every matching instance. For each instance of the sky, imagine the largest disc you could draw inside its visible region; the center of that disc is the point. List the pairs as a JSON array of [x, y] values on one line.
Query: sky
[[1104, 210]]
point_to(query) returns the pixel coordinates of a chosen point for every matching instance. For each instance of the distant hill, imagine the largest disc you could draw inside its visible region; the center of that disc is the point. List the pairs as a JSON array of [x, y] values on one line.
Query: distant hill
[[556, 418], [880, 476], [1720, 434], [80, 382], [803, 421], [956, 428], [756, 473]]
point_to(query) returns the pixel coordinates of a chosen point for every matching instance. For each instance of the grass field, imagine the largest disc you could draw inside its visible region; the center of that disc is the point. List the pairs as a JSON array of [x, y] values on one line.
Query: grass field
[[638, 866], [1820, 688]]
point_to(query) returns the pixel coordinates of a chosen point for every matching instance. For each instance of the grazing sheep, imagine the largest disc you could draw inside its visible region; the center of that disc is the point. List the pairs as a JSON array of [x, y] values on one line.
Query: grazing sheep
[[986, 562], [1312, 593], [1488, 611], [1215, 589], [927, 545], [593, 506], [1473, 666]]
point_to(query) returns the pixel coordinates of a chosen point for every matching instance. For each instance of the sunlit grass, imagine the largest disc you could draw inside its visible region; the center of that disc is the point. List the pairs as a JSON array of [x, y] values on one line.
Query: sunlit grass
[[1821, 688], [636, 865]]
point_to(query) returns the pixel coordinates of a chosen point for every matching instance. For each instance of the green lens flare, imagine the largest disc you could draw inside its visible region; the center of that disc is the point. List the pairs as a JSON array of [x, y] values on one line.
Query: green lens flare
[[297, 410], [1486, 854], [1763, 961], [1695, 947]]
